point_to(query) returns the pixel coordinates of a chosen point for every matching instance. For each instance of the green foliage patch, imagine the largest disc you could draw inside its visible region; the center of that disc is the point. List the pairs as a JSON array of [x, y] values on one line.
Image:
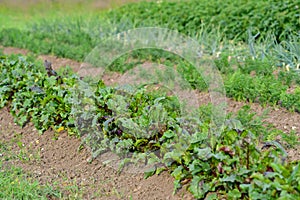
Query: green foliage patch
[[146, 124], [32, 95], [16, 185], [234, 17], [291, 101], [74, 37], [254, 89]]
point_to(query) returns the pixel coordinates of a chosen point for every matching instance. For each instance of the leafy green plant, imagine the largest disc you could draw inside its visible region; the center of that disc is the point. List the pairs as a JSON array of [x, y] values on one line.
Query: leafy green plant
[[288, 51], [266, 89], [75, 37], [289, 78], [231, 165], [235, 18], [134, 119], [146, 124], [259, 67], [291, 101], [32, 95]]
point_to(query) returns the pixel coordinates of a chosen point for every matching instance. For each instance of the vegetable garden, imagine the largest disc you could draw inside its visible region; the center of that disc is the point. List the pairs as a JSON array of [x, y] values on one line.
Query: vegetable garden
[[254, 45]]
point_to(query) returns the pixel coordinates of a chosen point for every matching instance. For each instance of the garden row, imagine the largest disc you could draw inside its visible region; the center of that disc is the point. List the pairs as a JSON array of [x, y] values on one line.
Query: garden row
[[246, 79], [234, 17], [147, 124], [274, 23], [75, 38]]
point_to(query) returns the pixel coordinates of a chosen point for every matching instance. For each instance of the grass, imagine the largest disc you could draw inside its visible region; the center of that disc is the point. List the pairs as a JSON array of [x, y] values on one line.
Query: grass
[[17, 13], [16, 184]]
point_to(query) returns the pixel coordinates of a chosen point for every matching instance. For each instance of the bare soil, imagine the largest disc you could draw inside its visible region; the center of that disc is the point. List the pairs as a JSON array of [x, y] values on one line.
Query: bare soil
[[56, 158]]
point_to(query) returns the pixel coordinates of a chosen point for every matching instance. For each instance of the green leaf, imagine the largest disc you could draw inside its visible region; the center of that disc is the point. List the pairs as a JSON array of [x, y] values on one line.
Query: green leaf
[[211, 196], [160, 170], [235, 124], [234, 194], [169, 134], [178, 173], [195, 167], [243, 171], [231, 178], [199, 187], [173, 156], [140, 142], [177, 185], [204, 153], [149, 172], [220, 156], [280, 169]]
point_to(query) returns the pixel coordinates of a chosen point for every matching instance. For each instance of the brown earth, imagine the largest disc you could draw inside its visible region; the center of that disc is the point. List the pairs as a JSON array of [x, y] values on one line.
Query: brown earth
[[55, 158]]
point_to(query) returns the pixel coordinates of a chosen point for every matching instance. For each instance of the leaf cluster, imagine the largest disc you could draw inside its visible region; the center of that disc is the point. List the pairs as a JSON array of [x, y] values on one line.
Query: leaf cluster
[[234, 17], [256, 81], [146, 124], [32, 95]]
